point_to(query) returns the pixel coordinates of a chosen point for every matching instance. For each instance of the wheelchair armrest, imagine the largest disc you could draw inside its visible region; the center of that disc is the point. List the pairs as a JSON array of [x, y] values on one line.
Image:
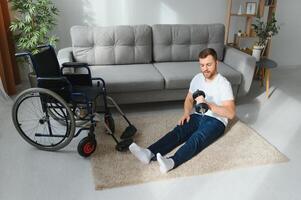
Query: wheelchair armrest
[[99, 79], [75, 65], [77, 77]]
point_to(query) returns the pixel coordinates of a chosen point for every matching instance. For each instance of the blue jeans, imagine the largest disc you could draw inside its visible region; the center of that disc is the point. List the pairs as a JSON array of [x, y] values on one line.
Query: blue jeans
[[198, 133]]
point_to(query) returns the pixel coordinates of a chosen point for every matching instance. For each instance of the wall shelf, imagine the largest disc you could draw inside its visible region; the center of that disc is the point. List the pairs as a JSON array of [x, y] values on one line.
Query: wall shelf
[[242, 15], [261, 8]]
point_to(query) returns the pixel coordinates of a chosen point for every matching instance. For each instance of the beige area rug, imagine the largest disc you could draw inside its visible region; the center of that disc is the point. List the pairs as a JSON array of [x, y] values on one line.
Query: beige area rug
[[239, 147]]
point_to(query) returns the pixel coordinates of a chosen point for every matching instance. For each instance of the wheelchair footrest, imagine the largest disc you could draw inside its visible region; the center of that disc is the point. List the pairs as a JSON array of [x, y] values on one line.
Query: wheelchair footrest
[[128, 132]]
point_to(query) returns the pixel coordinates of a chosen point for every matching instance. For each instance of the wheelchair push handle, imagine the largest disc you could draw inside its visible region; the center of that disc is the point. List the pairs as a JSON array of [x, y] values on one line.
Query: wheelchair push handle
[[27, 53], [44, 45], [21, 54]]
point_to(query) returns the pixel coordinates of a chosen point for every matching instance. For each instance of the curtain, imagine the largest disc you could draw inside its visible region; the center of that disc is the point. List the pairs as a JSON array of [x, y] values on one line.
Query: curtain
[[9, 73]]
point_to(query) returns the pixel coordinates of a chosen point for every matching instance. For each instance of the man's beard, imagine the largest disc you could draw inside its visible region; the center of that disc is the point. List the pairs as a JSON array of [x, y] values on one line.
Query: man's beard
[[208, 74]]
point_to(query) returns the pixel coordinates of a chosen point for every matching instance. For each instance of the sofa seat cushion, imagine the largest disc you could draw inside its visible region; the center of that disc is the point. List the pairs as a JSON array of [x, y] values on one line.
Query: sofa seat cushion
[[129, 78], [178, 75]]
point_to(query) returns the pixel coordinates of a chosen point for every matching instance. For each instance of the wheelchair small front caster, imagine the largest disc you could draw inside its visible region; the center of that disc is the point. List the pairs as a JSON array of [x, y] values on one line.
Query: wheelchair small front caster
[[124, 145], [86, 146], [128, 132]]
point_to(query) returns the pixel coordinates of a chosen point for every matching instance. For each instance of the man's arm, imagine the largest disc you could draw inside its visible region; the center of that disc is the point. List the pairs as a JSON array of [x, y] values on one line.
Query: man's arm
[[227, 109], [188, 105]]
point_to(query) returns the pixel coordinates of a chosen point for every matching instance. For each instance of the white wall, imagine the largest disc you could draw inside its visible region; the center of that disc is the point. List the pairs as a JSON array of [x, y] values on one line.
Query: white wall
[[124, 12], [285, 46]]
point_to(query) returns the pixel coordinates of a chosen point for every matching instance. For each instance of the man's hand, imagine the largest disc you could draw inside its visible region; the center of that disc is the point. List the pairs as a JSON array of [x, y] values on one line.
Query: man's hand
[[200, 99], [185, 117]]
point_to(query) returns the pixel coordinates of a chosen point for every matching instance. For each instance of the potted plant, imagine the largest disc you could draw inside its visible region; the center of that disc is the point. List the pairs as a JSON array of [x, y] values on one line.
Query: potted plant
[[32, 23], [264, 32]]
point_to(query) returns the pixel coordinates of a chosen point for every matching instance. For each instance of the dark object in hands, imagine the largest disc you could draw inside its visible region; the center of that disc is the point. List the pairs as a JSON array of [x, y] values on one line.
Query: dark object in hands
[[200, 107]]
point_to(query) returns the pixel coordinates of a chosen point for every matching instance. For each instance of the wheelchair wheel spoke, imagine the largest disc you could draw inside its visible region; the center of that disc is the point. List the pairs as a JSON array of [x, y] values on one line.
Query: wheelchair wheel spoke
[[34, 108]]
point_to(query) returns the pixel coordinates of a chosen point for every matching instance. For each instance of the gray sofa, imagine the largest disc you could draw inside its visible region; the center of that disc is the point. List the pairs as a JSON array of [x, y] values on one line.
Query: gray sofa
[[155, 63]]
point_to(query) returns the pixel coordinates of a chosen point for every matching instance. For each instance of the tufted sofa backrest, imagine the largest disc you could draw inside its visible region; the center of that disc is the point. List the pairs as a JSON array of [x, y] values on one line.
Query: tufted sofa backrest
[[183, 42], [112, 45], [144, 44]]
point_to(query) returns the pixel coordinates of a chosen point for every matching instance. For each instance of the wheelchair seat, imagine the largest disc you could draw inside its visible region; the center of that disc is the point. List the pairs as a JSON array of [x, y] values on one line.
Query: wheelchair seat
[[90, 92]]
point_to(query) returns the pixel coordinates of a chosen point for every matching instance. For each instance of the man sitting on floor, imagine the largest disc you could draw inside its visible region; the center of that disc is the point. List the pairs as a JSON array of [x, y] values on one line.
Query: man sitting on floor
[[196, 131]]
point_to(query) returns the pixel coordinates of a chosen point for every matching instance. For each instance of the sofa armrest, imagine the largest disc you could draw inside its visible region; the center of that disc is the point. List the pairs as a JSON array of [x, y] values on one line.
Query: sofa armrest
[[65, 55], [243, 63]]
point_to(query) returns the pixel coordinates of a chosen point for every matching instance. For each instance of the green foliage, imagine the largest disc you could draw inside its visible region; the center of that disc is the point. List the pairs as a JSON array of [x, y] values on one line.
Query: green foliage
[[34, 20], [265, 31]]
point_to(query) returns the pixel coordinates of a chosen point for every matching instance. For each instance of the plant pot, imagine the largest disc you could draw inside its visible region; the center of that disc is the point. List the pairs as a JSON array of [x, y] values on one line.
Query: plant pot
[[257, 52], [32, 77]]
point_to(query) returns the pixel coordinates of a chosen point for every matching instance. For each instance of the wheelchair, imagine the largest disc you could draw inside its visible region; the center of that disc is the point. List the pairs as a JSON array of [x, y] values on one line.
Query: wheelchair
[[63, 105]]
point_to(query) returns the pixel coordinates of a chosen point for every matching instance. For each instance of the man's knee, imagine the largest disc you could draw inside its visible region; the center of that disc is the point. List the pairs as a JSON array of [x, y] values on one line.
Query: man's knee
[[202, 138], [197, 141], [183, 131], [180, 132]]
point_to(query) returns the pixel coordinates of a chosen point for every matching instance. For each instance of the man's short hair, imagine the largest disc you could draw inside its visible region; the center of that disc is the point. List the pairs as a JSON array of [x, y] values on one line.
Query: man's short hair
[[208, 51]]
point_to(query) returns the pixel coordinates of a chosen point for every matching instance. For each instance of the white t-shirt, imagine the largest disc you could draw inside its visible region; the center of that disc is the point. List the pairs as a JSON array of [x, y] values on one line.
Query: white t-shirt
[[216, 91]]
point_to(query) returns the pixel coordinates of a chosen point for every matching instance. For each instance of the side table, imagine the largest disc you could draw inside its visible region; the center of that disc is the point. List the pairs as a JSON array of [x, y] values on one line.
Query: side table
[[264, 65]]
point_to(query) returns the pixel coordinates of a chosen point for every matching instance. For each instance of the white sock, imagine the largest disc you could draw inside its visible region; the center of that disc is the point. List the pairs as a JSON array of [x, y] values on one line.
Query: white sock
[[166, 164], [144, 155]]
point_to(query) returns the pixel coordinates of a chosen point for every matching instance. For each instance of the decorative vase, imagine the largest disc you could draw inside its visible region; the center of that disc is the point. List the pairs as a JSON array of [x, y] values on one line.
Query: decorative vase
[[257, 52]]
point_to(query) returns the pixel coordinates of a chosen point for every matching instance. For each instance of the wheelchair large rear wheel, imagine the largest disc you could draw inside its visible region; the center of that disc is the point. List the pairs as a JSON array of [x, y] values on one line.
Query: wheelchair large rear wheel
[[33, 122]]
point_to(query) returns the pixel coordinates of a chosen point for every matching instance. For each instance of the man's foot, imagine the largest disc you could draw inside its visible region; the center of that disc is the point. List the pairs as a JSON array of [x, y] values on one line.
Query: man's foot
[[166, 164], [144, 155]]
